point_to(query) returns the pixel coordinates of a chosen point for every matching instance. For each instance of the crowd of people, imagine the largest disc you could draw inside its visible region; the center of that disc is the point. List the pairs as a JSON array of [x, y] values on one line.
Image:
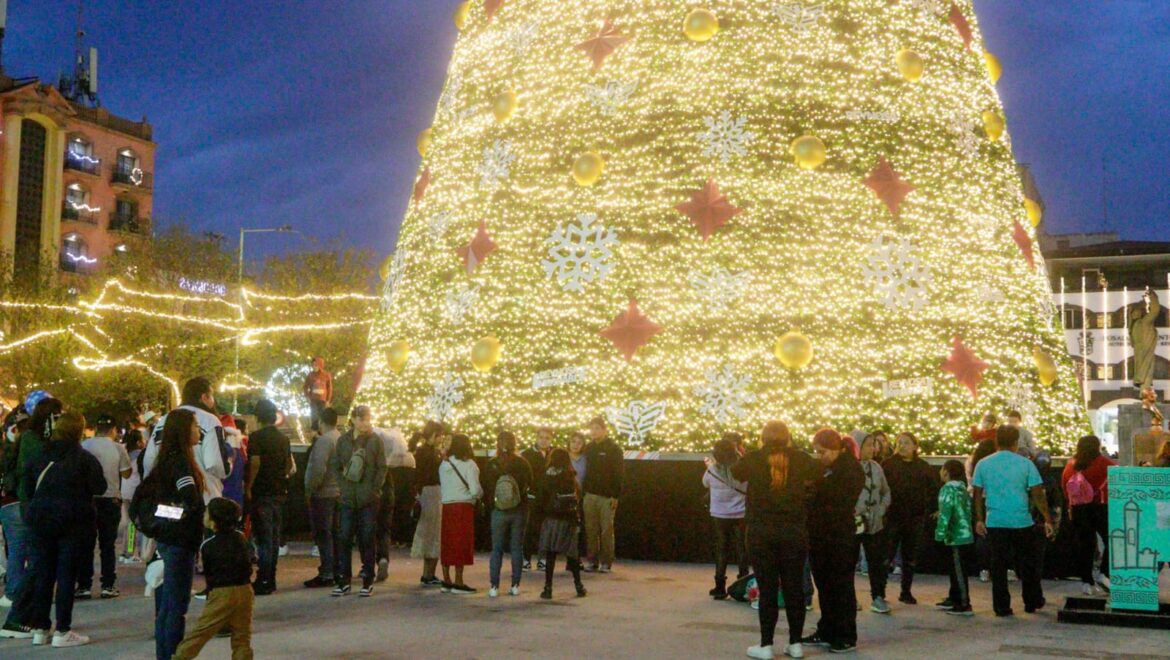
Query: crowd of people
[[192, 490]]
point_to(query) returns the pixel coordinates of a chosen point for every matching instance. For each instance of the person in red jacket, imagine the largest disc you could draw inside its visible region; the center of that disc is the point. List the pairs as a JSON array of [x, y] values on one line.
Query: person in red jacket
[[318, 390], [1088, 508]]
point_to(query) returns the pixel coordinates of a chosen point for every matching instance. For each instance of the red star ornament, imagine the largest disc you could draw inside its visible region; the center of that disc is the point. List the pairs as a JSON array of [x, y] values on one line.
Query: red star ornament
[[490, 7], [476, 252], [420, 186], [966, 367], [630, 331], [961, 24], [708, 209], [889, 186], [1024, 241], [601, 46]]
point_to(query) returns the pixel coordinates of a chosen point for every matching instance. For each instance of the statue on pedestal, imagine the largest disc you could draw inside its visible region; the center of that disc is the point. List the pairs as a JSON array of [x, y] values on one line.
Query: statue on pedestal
[[1143, 334]]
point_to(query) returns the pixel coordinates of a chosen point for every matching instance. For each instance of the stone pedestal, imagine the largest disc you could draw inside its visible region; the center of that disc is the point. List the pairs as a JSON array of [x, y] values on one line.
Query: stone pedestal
[[1134, 440]]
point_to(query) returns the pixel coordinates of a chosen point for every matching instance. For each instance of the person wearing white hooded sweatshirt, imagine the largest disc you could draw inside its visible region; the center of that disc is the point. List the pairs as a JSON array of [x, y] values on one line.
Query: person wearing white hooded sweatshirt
[[398, 458], [212, 451]]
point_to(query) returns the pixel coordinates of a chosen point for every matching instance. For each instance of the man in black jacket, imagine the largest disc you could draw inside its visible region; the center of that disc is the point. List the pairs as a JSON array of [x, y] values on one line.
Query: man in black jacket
[[537, 458], [604, 473], [913, 494]]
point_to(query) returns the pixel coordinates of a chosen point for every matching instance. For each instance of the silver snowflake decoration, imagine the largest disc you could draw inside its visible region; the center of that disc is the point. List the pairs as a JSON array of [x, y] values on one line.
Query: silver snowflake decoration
[[637, 420], [446, 393], [610, 97], [965, 137], [989, 294], [521, 37], [438, 223], [932, 7], [1021, 399], [799, 16], [497, 163], [725, 137], [724, 394], [460, 302], [893, 268], [580, 253], [393, 278], [720, 288], [1048, 310]]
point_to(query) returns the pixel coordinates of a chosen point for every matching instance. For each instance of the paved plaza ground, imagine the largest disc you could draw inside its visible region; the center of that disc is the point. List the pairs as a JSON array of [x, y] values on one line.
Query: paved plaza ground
[[641, 610]]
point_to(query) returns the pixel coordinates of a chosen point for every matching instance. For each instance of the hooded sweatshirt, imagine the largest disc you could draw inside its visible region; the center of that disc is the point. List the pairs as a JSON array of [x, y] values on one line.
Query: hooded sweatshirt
[[211, 454], [72, 477]]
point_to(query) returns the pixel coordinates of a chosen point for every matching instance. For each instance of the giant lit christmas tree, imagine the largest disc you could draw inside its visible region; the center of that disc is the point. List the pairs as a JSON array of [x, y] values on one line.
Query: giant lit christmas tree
[[697, 216]]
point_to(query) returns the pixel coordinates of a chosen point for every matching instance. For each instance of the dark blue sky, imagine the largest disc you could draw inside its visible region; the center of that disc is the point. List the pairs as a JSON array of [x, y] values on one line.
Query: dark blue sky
[[306, 112]]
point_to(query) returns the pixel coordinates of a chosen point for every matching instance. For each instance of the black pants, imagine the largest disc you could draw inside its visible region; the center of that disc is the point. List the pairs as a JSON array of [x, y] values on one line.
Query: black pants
[[532, 531], [1019, 548], [833, 559], [316, 407], [779, 562], [402, 527], [385, 518], [56, 566], [875, 557], [962, 559], [907, 534], [729, 547], [105, 534], [1089, 521]]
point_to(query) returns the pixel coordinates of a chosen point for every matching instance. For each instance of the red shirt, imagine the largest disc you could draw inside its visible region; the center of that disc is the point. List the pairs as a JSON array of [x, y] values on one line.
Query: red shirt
[[319, 386], [1096, 474]]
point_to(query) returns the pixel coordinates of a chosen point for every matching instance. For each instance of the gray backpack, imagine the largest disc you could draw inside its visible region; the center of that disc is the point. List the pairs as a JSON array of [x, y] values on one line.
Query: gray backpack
[[357, 465], [507, 493]]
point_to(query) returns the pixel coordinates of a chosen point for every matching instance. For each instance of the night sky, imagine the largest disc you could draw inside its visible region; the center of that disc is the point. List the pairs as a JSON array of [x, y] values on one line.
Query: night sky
[[270, 112]]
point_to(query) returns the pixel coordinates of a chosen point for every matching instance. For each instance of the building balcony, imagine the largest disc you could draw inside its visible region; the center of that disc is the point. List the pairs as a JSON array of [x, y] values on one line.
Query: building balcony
[[131, 224], [71, 214], [135, 179], [79, 163], [79, 265]]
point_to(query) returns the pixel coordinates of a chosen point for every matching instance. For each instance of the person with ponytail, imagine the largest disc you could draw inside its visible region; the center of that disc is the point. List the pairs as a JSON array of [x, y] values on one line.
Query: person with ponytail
[[780, 480], [1085, 489], [832, 530]]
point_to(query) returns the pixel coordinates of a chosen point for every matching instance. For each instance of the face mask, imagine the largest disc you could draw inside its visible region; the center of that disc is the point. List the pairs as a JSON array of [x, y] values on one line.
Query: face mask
[[10, 434]]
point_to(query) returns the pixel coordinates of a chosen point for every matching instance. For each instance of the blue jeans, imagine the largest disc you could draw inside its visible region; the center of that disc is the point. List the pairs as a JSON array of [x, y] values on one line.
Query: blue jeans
[[360, 522], [172, 598], [266, 523], [507, 533], [56, 566], [324, 517], [17, 541]]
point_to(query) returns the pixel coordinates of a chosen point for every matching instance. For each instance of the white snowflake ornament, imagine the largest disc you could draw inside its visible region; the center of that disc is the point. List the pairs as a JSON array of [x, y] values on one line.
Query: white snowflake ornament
[[394, 278], [521, 37], [965, 137], [1022, 399], [894, 270], [610, 97], [497, 164], [724, 394], [446, 393], [798, 16], [637, 420], [725, 137], [932, 7], [438, 223], [720, 288], [581, 253], [460, 302]]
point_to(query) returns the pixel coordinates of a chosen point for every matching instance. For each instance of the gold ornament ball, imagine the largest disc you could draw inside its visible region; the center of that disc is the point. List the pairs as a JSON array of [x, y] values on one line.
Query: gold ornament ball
[[485, 354], [1035, 213], [794, 350], [994, 125], [504, 105], [398, 355], [588, 167], [461, 14], [808, 151], [701, 25], [910, 64], [994, 68], [424, 141], [1045, 366], [384, 269]]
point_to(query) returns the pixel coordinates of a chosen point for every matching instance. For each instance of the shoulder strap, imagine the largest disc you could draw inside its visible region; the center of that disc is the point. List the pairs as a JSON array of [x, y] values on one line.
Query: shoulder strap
[[724, 482], [40, 478], [457, 473]]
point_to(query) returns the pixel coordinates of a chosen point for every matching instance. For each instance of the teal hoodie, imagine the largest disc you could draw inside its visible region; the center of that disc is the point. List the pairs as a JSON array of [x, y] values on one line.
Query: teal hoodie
[[954, 515]]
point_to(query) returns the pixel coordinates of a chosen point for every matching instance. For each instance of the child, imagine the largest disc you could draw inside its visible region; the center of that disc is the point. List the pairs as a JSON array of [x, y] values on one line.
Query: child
[[727, 506], [955, 530], [227, 568], [557, 497]]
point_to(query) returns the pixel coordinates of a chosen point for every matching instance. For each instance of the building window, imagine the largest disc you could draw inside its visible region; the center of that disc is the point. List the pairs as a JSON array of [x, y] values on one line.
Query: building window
[[75, 254], [29, 195], [79, 156], [125, 217]]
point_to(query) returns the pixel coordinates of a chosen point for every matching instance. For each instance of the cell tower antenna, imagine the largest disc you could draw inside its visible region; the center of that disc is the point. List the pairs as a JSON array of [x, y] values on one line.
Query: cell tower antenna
[[81, 87]]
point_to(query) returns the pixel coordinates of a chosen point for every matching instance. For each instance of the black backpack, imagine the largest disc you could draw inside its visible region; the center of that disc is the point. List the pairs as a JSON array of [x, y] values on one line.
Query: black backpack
[[10, 467]]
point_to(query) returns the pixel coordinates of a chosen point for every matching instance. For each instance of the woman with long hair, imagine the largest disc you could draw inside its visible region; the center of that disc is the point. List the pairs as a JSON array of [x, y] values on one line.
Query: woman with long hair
[[508, 479], [460, 488], [558, 499], [727, 505], [1086, 490], [176, 483], [426, 543], [913, 493], [871, 515], [780, 481]]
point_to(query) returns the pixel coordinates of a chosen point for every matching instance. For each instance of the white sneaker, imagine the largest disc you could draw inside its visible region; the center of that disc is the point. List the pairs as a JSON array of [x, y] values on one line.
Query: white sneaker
[[315, 552], [1104, 582], [514, 591], [1012, 575], [66, 640], [760, 652], [5, 602], [40, 637], [493, 592], [283, 552], [984, 576], [794, 651]]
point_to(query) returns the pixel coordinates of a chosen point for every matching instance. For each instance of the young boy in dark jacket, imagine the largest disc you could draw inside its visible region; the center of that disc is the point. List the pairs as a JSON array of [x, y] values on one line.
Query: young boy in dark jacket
[[227, 567]]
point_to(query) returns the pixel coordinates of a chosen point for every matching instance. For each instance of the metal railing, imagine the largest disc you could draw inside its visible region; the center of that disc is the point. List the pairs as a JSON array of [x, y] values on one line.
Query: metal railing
[[131, 224], [70, 214], [80, 163]]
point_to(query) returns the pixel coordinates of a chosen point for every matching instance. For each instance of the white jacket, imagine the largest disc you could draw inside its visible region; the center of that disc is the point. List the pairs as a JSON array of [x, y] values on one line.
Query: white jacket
[[397, 453], [452, 488], [208, 453]]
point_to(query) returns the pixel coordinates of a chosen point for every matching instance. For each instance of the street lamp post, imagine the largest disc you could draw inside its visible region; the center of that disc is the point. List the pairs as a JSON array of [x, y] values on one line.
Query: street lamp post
[[283, 229]]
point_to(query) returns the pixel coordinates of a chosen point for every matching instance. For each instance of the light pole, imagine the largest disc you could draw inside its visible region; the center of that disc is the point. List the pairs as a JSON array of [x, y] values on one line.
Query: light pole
[[283, 229]]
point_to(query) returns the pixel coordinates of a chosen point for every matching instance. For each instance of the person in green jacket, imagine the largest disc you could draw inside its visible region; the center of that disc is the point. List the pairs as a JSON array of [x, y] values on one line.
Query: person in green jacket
[[359, 465], [955, 530]]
